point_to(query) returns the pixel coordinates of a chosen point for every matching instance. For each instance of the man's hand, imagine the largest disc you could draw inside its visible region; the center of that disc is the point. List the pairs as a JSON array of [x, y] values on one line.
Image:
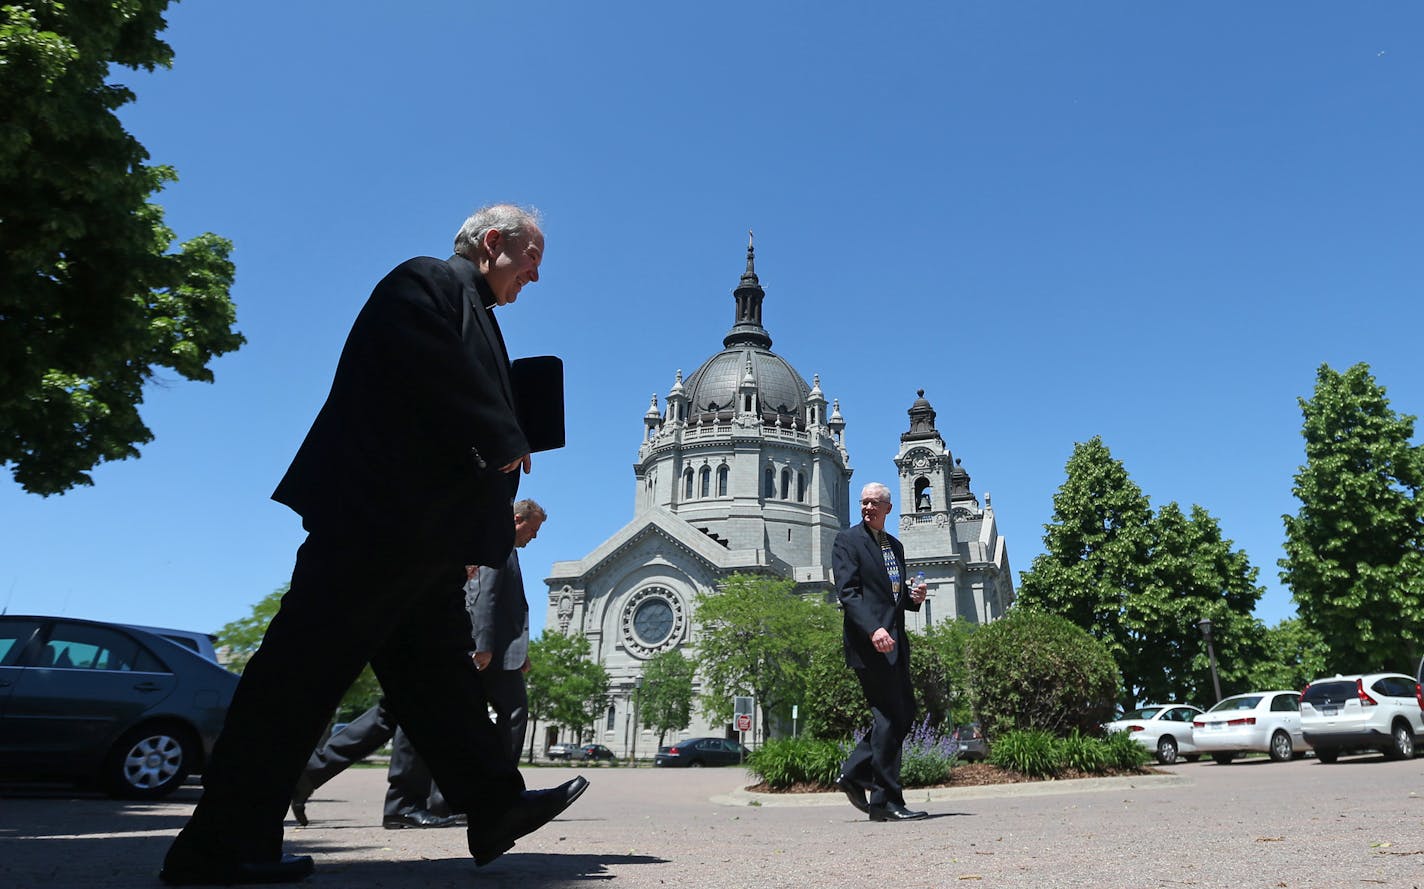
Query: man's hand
[[524, 668], [883, 641], [918, 593], [482, 659], [526, 461]]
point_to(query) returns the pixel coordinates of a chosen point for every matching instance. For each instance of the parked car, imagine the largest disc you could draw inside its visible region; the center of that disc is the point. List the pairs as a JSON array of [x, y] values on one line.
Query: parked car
[[972, 746], [1380, 711], [594, 752], [698, 752], [1165, 729], [561, 751], [1255, 722], [106, 703], [202, 643]]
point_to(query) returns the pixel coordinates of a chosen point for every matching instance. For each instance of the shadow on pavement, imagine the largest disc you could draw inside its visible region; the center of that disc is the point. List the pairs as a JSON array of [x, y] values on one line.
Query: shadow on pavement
[[531, 870]]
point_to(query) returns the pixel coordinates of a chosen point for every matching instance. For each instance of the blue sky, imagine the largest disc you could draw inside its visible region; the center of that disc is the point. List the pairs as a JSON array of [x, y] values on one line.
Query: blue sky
[[1148, 222]]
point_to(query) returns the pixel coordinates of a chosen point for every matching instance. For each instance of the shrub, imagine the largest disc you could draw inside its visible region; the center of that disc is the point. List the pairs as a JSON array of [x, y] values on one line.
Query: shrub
[[1031, 670], [1083, 753], [1029, 752], [782, 762], [1124, 752], [926, 757]]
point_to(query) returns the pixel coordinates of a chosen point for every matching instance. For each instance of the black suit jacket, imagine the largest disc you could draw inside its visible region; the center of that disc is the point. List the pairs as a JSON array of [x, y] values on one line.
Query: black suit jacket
[[863, 587], [406, 449], [499, 614]]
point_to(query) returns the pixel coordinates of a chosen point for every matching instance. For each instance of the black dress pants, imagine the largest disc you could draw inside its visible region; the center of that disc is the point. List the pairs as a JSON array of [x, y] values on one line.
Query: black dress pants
[[351, 602], [875, 761]]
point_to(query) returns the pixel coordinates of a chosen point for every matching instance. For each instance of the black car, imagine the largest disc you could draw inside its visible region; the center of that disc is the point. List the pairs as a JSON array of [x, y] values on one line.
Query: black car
[[697, 752], [113, 705], [594, 752], [970, 740]]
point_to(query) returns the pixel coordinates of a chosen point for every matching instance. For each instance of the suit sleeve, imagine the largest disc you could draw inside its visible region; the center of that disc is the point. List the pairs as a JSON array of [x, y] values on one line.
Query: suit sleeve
[[850, 590], [425, 364], [482, 600]]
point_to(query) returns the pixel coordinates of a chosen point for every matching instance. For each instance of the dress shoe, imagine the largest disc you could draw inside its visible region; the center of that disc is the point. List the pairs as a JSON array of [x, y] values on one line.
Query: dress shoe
[[854, 792], [299, 812], [418, 818], [895, 812], [185, 869], [531, 811]]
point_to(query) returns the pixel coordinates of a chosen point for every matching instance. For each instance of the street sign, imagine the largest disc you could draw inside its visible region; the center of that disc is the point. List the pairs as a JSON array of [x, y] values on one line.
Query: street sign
[[742, 704], [744, 722]]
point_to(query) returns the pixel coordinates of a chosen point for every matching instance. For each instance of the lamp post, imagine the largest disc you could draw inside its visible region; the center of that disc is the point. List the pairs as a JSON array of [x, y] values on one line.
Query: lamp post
[[1205, 626], [637, 693]]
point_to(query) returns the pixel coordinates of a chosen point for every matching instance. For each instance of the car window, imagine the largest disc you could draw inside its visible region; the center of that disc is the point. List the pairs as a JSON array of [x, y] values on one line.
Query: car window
[[1285, 703], [1180, 714], [85, 647], [14, 634], [1335, 691], [1142, 713], [1240, 702], [1394, 686]]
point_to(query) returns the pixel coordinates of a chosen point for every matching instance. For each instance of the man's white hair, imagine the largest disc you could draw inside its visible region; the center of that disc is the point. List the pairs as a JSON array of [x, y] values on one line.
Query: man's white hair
[[881, 492], [510, 220]]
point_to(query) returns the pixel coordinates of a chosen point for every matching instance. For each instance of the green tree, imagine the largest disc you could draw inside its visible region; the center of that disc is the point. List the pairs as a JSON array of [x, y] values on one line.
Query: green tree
[[1193, 573], [564, 686], [1293, 655], [1355, 549], [833, 706], [239, 640], [665, 700], [1095, 550], [941, 679], [93, 299], [1034, 670], [756, 638]]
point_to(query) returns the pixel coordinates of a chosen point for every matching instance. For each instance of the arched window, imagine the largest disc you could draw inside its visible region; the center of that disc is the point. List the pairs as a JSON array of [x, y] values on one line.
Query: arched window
[[687, 484], [922, 495], [785, 484], [611, 723], [800, 487], [770, 483], [722, 473], [706, 482]]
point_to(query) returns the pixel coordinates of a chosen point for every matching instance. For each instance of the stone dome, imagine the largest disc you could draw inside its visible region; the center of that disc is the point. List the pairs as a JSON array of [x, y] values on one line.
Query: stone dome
[[713, 388]]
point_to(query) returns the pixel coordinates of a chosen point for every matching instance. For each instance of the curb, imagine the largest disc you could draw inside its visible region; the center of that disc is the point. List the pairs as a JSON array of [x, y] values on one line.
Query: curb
[[744, 797]]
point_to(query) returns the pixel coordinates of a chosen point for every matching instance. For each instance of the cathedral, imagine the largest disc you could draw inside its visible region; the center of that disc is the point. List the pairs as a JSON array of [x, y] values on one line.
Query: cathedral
[[744, 469]]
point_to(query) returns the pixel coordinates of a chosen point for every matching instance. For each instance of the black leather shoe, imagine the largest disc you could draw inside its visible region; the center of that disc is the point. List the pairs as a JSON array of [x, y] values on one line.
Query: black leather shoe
[[418, 818], [854, 792], [895, 812], [531, 811], [299, 812], [186, 870]]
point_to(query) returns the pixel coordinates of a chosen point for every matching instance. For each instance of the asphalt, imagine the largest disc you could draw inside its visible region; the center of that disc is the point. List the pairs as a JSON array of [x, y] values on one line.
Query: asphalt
[[1358, 823]]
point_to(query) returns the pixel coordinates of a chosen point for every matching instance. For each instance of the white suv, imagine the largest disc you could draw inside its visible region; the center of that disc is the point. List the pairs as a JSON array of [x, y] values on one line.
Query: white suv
[[1384, 711]]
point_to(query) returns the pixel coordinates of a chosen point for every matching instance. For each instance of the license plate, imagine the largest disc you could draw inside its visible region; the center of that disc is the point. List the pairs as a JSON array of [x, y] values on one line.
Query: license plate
[[1329, 711], [1218, 726]]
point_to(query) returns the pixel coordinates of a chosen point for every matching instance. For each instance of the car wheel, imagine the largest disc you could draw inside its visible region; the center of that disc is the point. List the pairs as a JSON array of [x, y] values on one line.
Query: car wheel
[[1403, 746], [1281, 748], [695, 764], [1327, 756], [149, 762], [1166, 750], [1223, 759]]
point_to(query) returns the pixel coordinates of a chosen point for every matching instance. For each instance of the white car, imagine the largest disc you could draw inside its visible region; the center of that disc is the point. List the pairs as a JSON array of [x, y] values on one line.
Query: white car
[[1256, 722], [1384, 711], [1165, 729]]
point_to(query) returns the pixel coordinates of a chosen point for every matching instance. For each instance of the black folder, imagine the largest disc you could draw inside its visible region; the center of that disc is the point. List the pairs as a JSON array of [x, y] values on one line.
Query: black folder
[[538, 384]]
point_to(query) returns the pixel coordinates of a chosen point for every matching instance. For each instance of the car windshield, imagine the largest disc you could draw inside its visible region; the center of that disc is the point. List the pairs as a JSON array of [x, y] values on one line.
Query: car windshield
[[1335, 691], [1142, 713], [1240, 702]]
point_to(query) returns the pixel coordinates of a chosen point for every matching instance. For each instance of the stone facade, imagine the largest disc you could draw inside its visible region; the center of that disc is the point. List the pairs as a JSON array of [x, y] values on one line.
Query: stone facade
[[745, 470]]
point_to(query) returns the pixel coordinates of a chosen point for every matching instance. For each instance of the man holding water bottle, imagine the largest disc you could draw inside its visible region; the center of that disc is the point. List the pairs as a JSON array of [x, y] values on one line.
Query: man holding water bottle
[[871, 583]]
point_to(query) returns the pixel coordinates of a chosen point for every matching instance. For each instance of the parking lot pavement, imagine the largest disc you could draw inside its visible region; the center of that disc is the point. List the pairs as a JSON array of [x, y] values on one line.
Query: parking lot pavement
[[1296, 825]]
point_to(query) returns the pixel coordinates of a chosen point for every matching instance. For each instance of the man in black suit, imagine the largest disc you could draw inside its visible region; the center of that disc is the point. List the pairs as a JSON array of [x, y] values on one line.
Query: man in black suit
[[404, 478], [499, 621], [869, 569]]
